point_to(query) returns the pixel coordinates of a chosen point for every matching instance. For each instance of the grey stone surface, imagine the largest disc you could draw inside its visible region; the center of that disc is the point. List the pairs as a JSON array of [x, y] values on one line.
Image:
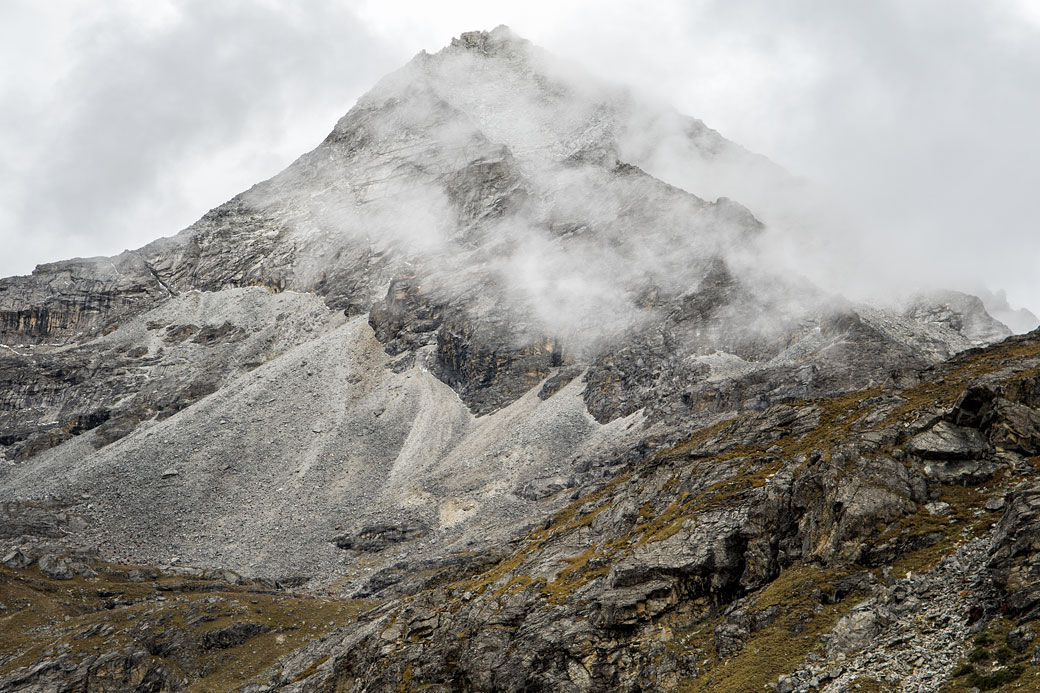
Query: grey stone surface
[[55, 567], [946, 441], [1015, 554]]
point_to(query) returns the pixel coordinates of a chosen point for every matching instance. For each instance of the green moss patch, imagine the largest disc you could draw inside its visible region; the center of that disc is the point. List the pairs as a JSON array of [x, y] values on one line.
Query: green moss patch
[[779, 647], [990, 665], [218, 636]]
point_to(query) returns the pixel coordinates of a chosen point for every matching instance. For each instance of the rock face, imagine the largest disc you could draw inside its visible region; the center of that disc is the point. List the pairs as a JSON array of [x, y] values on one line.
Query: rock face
[[1015, 557], [961, 312], [719, 563], [64, 302], [378, 537], [480, 356]]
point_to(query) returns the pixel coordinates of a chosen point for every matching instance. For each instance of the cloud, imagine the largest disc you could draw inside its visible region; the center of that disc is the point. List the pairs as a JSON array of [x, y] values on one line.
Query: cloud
[[915, 116], [160, 112], [918, 117]]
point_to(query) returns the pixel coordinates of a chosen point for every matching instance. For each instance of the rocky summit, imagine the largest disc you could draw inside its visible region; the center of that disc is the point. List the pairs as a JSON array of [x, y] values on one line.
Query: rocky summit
[[500, 388]]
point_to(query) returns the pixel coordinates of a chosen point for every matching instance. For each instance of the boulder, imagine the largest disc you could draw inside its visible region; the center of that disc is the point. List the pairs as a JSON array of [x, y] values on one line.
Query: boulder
[[1020, 639], [82, 569], [947, 441], [55, 567], [18, 557], [855, 632], [1015, 427], [732, 634], [960, 472], [537, 489]]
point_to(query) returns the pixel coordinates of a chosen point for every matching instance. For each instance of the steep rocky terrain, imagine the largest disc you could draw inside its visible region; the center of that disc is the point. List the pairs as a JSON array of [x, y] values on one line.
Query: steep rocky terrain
[[501, 355], [884, 540]]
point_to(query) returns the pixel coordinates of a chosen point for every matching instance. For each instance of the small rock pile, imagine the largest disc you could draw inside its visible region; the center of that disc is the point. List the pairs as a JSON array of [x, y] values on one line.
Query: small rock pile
[[910, 633]]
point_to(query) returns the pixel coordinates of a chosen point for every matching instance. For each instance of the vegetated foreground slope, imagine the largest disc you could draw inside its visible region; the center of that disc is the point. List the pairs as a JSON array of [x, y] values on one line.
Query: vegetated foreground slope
[[885, 539]]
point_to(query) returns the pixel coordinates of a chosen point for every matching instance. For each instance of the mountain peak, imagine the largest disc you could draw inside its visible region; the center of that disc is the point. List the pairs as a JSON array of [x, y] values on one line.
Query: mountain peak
[[489, 42]]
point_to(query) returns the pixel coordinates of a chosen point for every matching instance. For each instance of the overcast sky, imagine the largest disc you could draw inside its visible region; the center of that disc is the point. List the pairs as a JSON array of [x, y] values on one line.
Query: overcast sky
[[126, 120]]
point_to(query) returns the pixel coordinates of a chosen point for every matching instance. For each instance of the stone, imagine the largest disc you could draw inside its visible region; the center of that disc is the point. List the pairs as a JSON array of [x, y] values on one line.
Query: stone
[[960, 472], [854, 632], [55, 567], [995, 504], [762, 619], [82, 569], [170, 473], [973, 408], [1015, 427], [537, 489], [373, 538], [1019, 639], [947, 441], [731, 635], [18, 558], [1015, 554]]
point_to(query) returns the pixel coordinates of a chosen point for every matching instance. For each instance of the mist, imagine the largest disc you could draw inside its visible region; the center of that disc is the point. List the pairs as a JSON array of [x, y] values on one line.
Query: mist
[[519, 188], [906, 129]]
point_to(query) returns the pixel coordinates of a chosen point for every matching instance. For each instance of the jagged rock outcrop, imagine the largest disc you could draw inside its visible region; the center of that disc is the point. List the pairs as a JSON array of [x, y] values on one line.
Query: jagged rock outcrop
[[960, 312], [72, 301], [1015, 556]]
